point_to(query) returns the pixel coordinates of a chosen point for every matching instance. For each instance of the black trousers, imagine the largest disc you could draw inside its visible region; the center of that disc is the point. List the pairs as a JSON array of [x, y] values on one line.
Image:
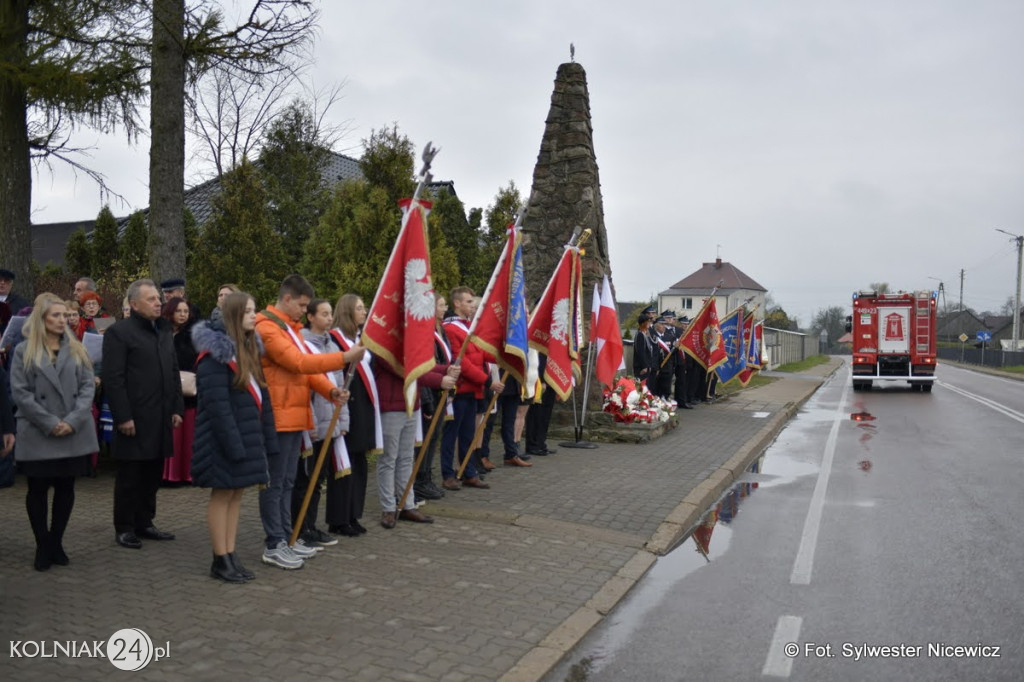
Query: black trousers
[[538, 419], [135, 489], [426, 472], [346, 496]]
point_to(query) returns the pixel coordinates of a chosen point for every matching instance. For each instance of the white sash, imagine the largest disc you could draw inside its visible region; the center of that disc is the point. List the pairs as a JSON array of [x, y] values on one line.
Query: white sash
[[366, 373], [342, 462]]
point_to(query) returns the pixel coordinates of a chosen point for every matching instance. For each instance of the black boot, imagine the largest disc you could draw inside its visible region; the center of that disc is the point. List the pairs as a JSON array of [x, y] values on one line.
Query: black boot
[[223, 569], [237, 565]]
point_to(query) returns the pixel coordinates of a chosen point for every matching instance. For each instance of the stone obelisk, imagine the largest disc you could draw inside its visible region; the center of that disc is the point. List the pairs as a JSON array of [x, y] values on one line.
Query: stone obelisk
[[566, 194], [566, 189]]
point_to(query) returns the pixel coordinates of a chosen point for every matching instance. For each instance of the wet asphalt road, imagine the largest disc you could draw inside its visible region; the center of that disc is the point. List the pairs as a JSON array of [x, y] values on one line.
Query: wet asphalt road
[[903, 529]]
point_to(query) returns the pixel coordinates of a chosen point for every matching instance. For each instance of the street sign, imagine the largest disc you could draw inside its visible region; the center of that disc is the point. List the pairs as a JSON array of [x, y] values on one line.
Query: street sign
[[984, 336], [963, 337]]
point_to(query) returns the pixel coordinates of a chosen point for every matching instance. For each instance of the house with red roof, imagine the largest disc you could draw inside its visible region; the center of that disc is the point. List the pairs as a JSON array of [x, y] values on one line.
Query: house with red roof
[[687, 295]]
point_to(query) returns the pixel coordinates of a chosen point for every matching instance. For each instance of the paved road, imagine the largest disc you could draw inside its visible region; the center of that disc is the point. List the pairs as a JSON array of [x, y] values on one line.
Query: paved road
[[900, 529]]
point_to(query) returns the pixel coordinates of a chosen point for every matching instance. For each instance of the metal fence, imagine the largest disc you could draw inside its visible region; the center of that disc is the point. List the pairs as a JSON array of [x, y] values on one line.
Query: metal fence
[[784, 346], [990, 357]]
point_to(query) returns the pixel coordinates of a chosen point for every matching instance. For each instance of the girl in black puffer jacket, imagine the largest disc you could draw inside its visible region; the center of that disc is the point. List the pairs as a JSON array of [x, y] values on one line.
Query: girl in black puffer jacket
[[234, 424]]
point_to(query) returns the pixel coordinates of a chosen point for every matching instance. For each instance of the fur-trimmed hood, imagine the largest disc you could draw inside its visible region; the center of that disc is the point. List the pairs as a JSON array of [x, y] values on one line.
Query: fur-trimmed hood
[[211, 337]]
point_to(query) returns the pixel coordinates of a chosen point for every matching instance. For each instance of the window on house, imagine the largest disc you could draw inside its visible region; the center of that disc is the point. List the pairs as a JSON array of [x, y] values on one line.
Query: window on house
[[686, 303]]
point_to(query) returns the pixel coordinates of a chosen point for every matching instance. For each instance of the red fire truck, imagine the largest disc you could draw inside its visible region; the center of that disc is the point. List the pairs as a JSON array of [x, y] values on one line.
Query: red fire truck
[[893, 338]]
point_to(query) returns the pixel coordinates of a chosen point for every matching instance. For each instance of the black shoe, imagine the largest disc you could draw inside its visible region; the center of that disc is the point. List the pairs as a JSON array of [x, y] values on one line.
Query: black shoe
[[223, 569], [359, 527], [686, 406], [438, 490], [239, 568], [318, 537], [346, 530], [128, 540], [425, 492], [153, 533]]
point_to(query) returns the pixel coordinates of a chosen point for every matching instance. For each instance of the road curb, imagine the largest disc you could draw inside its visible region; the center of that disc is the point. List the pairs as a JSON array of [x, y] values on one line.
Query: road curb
[[542, 658]]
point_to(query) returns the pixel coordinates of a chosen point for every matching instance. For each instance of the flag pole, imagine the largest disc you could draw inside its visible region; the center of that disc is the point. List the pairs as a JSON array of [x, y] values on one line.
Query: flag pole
[[314, 479], [429, 152], [578, 441], [457, 362]]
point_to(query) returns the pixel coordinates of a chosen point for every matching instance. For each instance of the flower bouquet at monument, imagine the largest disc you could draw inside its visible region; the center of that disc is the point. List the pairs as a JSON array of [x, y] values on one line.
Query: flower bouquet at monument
[[629, 401]]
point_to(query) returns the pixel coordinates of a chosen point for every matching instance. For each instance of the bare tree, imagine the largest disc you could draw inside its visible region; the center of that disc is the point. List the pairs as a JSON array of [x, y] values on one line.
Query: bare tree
[[231, 112]]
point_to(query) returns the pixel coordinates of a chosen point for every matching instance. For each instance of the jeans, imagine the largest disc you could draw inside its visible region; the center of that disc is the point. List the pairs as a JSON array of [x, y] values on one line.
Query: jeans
[[461, 430], [276, 498]]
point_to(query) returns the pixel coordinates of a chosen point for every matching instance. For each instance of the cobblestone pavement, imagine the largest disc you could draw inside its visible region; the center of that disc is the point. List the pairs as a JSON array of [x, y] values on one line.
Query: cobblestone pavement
[[502, 575]]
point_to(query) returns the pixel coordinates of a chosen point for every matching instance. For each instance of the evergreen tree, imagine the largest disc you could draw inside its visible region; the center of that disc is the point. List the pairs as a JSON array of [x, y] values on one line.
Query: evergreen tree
[[78, 254], [498, 216], [63, 64], [388, 162], [448, 221], [103, 249], [132, 248], [350, 246], [237, 244], [291, 164]]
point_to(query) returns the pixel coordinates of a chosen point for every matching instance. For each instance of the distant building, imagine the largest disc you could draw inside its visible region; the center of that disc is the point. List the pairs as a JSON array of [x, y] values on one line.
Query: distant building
[[688, 294], [50, 239]]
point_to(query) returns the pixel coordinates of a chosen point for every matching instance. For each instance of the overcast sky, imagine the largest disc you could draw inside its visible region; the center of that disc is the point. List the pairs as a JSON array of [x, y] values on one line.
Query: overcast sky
[[817, 145]]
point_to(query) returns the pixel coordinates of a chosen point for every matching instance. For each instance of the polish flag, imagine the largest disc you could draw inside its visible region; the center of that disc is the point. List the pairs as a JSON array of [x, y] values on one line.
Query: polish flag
[[606, 333]]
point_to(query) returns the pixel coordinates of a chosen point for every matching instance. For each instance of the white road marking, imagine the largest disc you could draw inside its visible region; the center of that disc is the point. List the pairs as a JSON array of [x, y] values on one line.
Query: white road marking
[[804, 563], [778, 663], [998, 407]]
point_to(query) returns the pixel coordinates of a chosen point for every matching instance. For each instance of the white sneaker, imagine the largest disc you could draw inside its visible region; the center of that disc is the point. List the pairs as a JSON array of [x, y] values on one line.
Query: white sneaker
[[304, 551], [282, 557]]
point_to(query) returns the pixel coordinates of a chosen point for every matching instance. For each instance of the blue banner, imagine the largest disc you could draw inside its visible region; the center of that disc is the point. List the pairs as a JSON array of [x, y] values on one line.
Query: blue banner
[[732, 338], [516, 342]]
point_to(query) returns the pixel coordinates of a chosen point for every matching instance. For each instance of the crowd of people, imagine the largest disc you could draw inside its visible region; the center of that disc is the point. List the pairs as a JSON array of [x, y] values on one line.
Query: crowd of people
[[242, 398], [658, 360]]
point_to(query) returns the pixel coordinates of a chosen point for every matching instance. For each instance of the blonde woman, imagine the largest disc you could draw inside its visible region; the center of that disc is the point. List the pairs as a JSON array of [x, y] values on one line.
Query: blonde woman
[[52, 385]]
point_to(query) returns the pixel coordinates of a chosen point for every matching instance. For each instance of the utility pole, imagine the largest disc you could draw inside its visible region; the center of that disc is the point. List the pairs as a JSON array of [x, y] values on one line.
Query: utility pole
[[1016, 301], [960, 313]]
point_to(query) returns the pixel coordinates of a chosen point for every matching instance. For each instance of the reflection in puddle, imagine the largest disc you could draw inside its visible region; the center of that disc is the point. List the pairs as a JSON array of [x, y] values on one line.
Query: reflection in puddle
[[862, 416], [865, 465], [695, 551]]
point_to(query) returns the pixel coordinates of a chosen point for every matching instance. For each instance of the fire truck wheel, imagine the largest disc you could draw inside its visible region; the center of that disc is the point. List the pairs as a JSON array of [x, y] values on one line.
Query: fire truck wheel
[[927, 388]]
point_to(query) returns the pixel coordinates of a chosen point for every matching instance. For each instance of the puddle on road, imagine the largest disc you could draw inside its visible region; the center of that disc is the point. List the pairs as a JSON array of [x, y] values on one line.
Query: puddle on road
[[709, 540]]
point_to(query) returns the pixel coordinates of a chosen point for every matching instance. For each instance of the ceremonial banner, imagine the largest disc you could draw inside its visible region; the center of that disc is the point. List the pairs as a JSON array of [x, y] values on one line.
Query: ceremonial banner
[[702, 340], [554, 328], [399, 329], [753, 353], [501, 323], [735, 348], [607, 335]]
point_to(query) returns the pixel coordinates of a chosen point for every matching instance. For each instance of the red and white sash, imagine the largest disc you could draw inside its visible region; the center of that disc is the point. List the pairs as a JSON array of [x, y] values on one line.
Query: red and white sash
[[369, 382], [342, 462]]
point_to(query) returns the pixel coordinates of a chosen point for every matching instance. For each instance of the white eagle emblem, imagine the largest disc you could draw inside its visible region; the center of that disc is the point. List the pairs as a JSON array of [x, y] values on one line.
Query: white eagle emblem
[[419, 294], [560, 321]]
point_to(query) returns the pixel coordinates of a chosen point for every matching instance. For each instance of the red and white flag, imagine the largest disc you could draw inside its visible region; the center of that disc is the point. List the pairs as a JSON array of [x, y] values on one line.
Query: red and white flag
[[606, 334], [399, 328], [554, 328]]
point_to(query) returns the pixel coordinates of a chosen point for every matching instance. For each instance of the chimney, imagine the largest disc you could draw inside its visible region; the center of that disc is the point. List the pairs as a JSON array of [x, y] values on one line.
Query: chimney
[[718, 263]]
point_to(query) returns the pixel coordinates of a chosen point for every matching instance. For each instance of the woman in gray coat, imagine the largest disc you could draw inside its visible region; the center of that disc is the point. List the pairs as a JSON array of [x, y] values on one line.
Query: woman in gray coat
[[52, 385]]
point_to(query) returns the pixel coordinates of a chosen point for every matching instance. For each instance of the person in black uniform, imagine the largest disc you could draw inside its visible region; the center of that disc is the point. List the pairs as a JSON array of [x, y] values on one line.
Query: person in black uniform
[[665, 367], [644, 356]]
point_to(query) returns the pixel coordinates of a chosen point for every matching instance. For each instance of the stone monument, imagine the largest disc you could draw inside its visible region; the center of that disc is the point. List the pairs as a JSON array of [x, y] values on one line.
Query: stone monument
[[566, 194]]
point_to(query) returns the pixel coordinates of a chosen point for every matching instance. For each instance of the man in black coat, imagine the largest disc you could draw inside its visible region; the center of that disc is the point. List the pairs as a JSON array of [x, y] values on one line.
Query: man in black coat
[[12, 299], [142, 384]]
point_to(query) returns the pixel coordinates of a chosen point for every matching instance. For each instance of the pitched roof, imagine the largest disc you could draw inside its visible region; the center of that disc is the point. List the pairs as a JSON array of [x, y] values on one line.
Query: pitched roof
[[709, 276], [50, 239]]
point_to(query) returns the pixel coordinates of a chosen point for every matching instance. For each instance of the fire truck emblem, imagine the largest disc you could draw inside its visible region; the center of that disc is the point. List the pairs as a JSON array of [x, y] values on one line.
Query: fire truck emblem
[[894, 327]]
